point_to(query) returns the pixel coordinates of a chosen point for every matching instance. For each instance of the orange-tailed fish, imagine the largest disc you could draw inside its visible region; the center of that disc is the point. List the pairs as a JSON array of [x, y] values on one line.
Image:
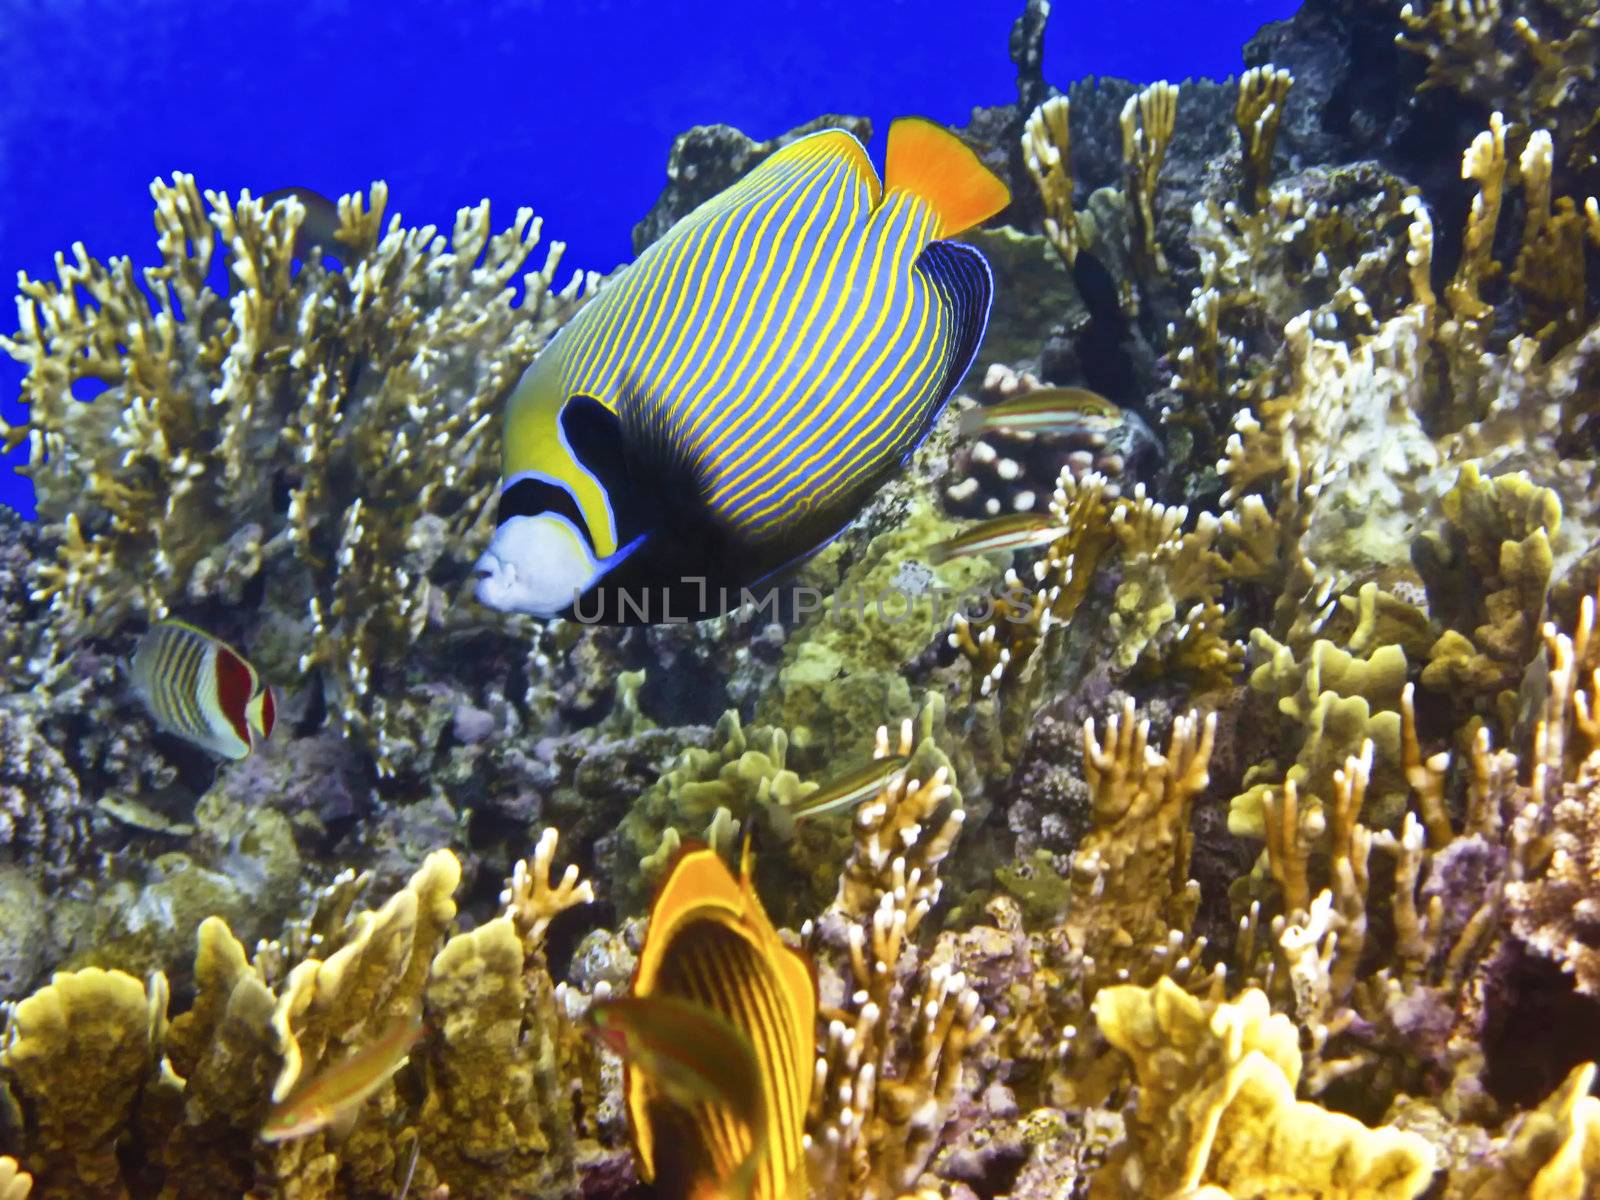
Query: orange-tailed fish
[[695, 1057], [851, 789], [711, 943], [1015, 531], [202, 689], [333, 1097], [1051, 410], [733, 397]]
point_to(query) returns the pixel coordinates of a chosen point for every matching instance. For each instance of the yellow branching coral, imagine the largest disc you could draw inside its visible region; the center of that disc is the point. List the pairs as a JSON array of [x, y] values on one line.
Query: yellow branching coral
[[1487, 571], [892, 1059], [77, 1054], [1549, 271], [1148, 121], [332, 427], [1047, 151], [500, 1047], [1165, 616], [1259, 109], [1217, 1111], [1130, 875], [1540, 79], [1551, 1153], [15, 1183], [1556, 910]]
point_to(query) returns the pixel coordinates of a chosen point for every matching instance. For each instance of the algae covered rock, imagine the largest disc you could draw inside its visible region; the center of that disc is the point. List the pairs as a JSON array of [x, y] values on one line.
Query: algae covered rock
[[26, 947]]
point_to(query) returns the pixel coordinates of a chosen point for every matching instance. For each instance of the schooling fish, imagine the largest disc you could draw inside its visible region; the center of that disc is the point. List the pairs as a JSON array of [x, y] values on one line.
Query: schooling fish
[[1052, 410], [333, 1097], [695, 1056], [1015, 531], [729, 402], [202, 689], [711, 943], [852, 789]]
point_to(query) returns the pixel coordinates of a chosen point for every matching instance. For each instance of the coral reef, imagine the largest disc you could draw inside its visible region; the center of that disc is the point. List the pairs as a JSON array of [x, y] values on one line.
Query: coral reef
[[1246, 842], [288, 425], [93, 1059]]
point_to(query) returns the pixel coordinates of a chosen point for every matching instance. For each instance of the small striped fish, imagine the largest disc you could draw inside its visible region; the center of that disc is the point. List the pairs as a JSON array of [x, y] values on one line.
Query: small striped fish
[[710, 943], [1015, 531], [1052, 410], [332, 1098], [202, 689], [850, 790], [727, 404]]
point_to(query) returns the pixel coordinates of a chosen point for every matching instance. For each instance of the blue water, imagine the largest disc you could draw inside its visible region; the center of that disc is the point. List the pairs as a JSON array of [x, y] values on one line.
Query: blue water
[[567, 107]]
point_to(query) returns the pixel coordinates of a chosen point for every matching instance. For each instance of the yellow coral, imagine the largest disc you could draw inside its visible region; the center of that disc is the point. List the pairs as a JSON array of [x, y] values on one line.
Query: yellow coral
[[1550, 1153], [1130, 876], [1047, 151], [1148, 121], [889, 1068], [77, 1053], [92, 1060], [1217, 1108], [1336, 701], [15, 1183], [1258, 111], [1487, 572], [334, 387]]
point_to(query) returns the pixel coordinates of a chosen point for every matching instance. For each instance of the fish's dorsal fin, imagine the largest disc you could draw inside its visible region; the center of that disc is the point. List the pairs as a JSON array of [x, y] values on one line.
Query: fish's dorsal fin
[[929, 161], [698, 885], [825, 144], [961, 276]]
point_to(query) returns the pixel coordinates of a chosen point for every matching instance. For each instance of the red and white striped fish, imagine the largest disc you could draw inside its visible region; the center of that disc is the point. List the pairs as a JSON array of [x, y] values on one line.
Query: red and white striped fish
[[202, 689]]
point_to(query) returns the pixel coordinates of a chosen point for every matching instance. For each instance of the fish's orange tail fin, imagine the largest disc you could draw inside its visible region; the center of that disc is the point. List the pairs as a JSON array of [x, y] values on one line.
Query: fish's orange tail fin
[[929, 161]]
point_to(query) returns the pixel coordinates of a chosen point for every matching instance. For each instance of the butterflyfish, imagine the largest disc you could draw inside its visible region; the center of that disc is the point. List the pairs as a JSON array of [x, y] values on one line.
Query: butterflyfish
[[332, 1098], [710, 944], [1014, 531], [1046, 411], [851, 789], [695, 1057], [726, 404], [202, 689]]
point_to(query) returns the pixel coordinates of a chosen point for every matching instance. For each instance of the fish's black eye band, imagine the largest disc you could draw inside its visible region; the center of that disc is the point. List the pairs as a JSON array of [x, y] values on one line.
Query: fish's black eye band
[[531, 497]]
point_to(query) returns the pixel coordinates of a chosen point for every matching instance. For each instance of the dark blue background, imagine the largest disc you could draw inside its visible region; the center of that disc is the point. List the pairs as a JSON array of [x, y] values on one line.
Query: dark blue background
[[567, 107]]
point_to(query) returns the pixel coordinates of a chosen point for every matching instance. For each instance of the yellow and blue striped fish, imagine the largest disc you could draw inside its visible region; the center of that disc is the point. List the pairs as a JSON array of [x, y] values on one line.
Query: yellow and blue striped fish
[[711, 944], [728, 403], [202, 689]]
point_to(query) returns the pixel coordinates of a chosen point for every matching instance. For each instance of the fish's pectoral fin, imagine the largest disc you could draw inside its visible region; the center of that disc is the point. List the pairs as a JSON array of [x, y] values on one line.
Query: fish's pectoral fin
[[962, 278], [931, 162]]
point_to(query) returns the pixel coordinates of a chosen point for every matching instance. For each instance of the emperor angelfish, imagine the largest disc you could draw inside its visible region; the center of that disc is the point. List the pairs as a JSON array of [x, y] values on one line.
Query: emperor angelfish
[[202, 689], [728, 403]]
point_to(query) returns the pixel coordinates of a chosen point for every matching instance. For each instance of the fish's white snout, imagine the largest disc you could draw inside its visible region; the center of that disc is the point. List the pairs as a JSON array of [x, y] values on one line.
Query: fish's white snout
[[539, 565]]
